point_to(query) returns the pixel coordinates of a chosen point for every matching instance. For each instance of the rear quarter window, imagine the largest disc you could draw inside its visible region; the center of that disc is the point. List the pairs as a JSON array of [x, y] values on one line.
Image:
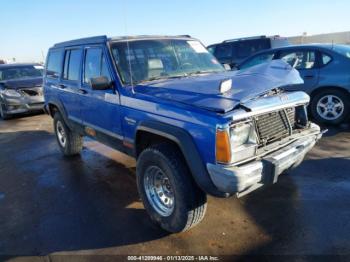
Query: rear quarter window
[[54, 64], [223, 51]]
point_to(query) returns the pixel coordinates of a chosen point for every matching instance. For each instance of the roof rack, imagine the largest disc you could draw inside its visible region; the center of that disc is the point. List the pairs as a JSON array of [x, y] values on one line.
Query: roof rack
[[245, 38], [82, 41]]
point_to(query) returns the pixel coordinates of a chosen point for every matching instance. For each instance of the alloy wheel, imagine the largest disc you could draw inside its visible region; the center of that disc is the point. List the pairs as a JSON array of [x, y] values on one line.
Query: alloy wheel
[[330, 107]]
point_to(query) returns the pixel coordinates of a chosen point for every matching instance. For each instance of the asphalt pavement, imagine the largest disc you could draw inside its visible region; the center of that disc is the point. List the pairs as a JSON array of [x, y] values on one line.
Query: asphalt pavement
[[88, 205]]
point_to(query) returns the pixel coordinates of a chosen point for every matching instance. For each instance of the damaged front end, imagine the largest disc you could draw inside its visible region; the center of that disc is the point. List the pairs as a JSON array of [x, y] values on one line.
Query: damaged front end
[[21, 100], [267, 134]]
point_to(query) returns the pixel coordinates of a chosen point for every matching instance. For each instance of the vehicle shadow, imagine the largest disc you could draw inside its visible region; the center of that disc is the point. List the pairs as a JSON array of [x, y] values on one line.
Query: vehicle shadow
[[24, 115], [51, 203], [303, 214]]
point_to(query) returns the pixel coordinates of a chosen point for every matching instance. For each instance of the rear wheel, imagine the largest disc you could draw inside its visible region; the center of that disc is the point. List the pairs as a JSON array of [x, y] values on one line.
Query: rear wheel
[[170, 196], [70, 142], [330, 106]]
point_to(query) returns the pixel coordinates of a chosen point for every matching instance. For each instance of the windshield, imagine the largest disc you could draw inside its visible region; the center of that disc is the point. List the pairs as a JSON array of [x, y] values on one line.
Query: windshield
[[12, 73], [162, 58], [343, 50]]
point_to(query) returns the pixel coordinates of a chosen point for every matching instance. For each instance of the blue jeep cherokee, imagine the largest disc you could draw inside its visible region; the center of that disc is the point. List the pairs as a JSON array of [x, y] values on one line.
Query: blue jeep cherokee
[[194, 128]]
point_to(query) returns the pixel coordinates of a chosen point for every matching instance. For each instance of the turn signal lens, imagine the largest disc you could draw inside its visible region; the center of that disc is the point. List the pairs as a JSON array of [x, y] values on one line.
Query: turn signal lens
[[223, 148]]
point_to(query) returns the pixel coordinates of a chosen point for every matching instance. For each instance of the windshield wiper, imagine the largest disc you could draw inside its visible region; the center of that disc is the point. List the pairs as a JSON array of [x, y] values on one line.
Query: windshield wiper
[[161, 78], [201, 72], [175, 76]]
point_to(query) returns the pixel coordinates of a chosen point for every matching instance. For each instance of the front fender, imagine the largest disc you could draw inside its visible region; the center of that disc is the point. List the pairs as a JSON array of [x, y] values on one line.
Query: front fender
[[189, 150]]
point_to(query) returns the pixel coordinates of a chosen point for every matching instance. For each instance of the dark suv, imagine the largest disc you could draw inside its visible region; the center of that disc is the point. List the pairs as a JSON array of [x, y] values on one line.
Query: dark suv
[[20, 89], [194, 128], [234, 51]]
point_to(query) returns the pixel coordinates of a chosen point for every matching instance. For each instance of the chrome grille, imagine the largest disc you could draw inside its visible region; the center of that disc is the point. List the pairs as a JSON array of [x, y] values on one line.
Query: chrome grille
[[274, 126]]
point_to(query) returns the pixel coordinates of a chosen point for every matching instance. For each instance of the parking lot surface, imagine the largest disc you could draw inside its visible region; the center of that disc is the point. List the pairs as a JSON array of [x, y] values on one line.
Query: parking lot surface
[[89, 204]]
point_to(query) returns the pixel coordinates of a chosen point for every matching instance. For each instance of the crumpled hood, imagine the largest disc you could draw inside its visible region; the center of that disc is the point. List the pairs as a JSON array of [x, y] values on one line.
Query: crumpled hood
[[203, 91], [23, 83]]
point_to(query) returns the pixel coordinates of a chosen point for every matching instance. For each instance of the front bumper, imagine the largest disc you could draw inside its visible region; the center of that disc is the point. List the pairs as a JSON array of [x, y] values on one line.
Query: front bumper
[[245, 178], [17, 105]]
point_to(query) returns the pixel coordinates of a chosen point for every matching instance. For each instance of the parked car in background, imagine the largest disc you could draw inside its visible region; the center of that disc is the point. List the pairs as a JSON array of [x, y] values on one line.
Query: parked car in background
[[234, 51], [325, 70], [194, 128], [20, 89]]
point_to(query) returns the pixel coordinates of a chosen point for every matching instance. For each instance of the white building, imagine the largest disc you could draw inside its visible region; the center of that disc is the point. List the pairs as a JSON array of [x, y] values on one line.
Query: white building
[[336, 38]]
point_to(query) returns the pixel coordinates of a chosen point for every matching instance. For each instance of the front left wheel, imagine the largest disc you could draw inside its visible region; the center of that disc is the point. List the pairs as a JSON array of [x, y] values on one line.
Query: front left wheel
[[169, 194]]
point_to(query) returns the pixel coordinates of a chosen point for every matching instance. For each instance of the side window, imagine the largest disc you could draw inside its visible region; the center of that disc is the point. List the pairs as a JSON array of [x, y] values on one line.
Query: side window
[[95, 64], [104, 68], [250, 47], [53, 69], [326, 59], [72, 61], [300, 59], [223, 51], [257, 60]]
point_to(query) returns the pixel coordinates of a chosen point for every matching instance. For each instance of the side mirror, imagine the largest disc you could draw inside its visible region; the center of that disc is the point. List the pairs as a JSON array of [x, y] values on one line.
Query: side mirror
[[100, 83], [227, 67]]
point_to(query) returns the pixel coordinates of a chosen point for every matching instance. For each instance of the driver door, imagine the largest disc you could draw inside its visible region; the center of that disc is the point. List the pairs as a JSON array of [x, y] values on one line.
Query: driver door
[[100, 109]]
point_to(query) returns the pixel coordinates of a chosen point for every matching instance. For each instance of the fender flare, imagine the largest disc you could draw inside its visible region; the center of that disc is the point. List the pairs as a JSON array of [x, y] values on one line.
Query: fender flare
[[60, 108], [189, 150]]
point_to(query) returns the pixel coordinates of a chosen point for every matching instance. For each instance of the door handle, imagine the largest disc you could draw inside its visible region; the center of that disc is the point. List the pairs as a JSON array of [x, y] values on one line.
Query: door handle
[[61, 86], [82, 91], [309, 76]]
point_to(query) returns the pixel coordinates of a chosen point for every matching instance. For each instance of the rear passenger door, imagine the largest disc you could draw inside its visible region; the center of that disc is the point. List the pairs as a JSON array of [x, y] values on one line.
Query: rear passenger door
[[100, 108], [305, 61], [70, 83]]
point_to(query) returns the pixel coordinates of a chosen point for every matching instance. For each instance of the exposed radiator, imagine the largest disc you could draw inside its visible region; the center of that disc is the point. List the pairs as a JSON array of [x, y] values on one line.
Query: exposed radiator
[[275, 125]]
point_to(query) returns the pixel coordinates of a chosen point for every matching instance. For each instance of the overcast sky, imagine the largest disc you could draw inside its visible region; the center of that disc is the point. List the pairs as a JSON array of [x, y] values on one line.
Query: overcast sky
[[30, 27]]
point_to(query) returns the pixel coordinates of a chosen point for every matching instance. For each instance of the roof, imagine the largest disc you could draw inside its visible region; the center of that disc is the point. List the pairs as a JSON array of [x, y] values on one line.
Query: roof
[[324, 46], [245, 38], [83, 41], [2, 66], [320, 46], [103, 39], [272, 37]]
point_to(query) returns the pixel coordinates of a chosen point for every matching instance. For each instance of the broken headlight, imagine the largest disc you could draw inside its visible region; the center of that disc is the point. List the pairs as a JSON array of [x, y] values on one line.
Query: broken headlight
[[243, 141], [236, 143], [11, 93]]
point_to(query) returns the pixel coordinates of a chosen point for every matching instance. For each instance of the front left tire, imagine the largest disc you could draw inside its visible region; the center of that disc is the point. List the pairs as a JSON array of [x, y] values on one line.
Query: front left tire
[[170, 196]]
